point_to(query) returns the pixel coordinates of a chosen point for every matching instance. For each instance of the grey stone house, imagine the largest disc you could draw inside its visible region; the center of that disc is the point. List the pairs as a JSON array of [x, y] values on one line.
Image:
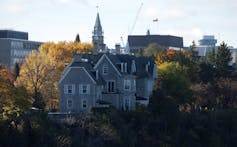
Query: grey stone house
[[102, 80]]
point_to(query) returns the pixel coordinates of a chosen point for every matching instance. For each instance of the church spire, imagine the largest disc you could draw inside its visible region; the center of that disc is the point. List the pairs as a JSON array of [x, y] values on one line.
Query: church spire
[[98, 36], [98, 28]]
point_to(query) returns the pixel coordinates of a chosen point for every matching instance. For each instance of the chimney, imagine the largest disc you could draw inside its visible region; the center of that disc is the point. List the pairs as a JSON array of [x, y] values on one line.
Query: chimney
[[133, 70]]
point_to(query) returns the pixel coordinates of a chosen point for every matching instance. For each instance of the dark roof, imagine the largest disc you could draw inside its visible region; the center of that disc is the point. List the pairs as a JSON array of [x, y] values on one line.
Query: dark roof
[[88, 61], [162, 40], [13, 34], [89, 68]]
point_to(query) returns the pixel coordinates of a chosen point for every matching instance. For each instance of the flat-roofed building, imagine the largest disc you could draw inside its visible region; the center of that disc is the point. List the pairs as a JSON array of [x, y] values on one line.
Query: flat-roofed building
[[15, 46]]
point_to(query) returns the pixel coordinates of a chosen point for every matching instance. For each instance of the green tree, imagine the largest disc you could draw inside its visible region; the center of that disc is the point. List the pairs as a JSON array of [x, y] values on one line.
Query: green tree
[[173, 80], [153, 49], [211, 58], [223, 58]]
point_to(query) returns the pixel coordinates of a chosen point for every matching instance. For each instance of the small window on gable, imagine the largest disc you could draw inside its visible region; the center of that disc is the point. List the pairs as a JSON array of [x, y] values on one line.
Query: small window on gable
[[105, 69], [69, 104]]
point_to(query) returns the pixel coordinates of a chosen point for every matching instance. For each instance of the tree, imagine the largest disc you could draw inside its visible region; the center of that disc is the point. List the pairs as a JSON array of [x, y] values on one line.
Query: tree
[[211, 58], [62, 52], [153, 49], [173, 80], [16, 70], [223, 58], [34, 73], [13, 100], [41, 70]]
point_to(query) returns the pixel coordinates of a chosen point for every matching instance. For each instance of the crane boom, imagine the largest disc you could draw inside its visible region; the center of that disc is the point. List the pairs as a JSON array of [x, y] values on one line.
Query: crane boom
[[136, 18]]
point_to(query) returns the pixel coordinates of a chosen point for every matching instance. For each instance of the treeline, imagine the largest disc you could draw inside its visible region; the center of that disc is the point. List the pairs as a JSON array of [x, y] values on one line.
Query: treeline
[[193, 104]]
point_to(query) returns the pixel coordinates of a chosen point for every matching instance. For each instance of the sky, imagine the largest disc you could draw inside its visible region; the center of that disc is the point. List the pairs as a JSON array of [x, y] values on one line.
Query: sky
[[61, 20]]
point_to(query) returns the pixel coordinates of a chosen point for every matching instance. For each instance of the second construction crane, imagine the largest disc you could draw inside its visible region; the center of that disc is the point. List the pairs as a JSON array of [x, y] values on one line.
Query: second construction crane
[[136, 18]]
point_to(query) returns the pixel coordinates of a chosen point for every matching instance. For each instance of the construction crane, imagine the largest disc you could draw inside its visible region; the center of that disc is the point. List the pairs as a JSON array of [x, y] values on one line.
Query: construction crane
[[136, 18]]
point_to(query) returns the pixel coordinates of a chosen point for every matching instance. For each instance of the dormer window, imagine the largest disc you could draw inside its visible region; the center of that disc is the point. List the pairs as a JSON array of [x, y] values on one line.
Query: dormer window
[[105, 69]]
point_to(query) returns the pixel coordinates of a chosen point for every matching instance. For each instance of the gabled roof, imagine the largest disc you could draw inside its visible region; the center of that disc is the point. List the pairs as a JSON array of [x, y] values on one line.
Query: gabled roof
[[162, 40], [90, 61]]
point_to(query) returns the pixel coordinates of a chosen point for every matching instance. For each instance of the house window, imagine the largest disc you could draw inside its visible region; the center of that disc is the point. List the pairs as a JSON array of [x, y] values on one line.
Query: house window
[[69, 89], [84, 104], [127, 103], [105, 69], [111, 86], [84, 88], [127, 84], [69, 104]]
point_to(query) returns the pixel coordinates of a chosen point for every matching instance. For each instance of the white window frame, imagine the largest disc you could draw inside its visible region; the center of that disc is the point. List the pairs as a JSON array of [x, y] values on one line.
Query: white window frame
[[105, 69], [69, 107], [127, 85], [82, 104], [81, 88], [66, 89], [109, 90]]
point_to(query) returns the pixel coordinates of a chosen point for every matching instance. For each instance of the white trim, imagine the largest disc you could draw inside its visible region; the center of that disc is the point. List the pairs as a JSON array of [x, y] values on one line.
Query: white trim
[[101, 59], [70, 68], [67, 104]]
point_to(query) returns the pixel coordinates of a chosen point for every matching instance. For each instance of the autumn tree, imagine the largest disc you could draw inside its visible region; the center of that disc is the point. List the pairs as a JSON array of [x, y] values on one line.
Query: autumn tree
[[173, 81], [13, 100], [42, 70], [35, 71]]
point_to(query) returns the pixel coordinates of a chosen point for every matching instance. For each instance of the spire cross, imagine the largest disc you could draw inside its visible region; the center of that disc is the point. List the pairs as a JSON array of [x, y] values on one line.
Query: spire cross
[[97, 7]]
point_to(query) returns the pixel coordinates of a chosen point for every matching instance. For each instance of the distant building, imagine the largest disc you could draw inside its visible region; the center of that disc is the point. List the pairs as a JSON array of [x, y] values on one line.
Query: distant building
[[136, 42], [206, 44], [15, 46], [233, 55]]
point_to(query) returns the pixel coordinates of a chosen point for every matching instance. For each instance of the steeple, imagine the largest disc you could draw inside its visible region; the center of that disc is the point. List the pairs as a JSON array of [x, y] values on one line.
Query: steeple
[[98, 28], [97, 37]]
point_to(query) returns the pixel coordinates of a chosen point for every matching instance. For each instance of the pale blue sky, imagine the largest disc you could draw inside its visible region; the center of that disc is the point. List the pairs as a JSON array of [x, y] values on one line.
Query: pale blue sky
[[59, 20]]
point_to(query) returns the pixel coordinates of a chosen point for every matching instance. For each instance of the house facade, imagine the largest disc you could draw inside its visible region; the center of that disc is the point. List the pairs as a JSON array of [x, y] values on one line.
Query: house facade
[[106, 80]]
